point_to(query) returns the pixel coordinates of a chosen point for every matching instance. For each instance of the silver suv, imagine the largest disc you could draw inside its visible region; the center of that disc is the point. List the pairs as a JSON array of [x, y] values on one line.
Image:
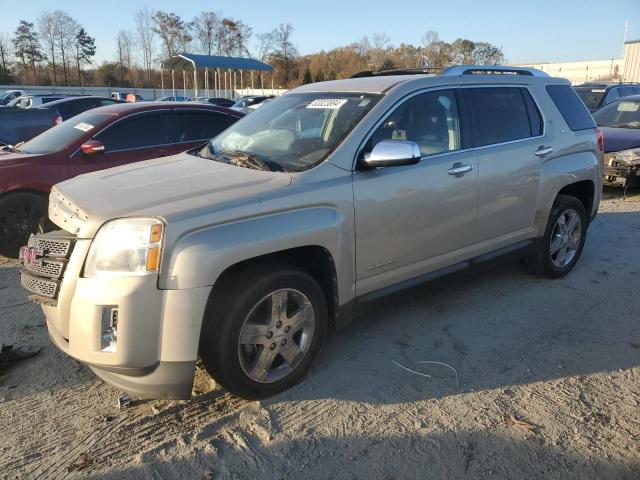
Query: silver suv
[[248, 250]]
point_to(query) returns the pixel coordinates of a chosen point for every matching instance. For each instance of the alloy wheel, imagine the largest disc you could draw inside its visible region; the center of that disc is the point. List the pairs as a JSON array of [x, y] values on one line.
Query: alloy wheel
[[565, 238]]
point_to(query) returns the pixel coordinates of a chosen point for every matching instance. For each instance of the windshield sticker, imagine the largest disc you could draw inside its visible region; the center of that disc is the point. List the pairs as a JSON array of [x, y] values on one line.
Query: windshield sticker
[[628, 106], [598, 90], [85, 127], [328, 103]]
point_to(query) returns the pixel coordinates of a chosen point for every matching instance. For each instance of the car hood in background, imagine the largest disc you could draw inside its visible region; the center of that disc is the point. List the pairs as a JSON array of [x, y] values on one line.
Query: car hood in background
[[616, 139], [9, 158], [165, 187]]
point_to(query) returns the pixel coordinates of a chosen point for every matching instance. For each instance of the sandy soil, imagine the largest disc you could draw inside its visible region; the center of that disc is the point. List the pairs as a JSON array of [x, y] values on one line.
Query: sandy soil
[[548, 371]]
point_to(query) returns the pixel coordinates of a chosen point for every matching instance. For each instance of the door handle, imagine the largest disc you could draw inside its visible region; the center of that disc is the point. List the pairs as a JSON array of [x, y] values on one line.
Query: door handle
[[542, 151], [459, 169]]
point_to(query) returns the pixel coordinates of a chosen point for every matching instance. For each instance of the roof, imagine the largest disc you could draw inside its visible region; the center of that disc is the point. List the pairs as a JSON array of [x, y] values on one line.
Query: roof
[[187, 61], [377, 84], [133, 107]]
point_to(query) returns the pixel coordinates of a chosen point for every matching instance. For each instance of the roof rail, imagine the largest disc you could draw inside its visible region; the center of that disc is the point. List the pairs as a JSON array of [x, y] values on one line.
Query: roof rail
[[398, 71], [493, 70]]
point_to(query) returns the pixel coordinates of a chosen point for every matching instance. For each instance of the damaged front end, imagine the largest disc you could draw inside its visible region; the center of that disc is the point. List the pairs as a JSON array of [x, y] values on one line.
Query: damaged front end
[[622, 169]]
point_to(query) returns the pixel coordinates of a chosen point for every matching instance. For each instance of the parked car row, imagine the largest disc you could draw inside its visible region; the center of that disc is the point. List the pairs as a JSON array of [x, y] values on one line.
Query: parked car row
[[597, 95], [99, 138]]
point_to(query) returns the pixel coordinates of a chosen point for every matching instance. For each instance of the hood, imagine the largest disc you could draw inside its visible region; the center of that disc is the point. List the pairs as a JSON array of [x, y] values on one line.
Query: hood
[[616, 139], [160, 187]]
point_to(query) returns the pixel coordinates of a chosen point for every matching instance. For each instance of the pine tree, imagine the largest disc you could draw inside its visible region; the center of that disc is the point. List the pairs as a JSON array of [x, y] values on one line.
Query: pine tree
[[27, 47], [85, 49]]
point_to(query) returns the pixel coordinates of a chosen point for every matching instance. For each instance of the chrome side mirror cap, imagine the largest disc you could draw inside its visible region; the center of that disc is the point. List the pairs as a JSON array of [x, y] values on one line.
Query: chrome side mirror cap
[[393, 153]]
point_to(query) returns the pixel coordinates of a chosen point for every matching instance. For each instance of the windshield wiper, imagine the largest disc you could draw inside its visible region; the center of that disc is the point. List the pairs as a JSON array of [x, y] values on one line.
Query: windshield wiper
[[246, 159], [11, 148]]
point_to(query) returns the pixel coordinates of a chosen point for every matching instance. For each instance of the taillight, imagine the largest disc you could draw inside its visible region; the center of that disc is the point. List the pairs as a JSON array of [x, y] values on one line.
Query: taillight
[[57, 120], [600, 138]]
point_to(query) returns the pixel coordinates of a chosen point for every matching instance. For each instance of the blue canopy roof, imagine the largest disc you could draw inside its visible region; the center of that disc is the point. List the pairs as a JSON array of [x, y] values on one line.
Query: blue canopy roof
[[189, 61]]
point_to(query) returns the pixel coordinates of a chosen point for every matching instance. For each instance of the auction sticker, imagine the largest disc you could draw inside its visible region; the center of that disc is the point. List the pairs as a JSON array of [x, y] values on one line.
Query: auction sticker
[[330, 103], [85, 127]]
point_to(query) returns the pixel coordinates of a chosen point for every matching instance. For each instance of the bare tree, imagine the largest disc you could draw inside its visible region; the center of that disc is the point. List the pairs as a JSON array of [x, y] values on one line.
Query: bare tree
[[145, 36], [48, 26], [65, 38], [205, 29], [233, 37], [265, 45], [285, 52], [6, 50], [379, 43], [124, 47], [172, 31]]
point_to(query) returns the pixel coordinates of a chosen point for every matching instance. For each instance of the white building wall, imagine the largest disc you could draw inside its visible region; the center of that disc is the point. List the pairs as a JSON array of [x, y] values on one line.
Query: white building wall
[[581, 72], [632, 61]]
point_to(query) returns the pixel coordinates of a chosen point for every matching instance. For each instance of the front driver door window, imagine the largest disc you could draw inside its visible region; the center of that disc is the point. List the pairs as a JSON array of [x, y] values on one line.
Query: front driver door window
[[414, 219]]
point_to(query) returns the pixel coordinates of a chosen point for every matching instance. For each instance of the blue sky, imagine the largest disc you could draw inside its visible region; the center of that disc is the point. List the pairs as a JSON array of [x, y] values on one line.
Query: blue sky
[[531, 31]]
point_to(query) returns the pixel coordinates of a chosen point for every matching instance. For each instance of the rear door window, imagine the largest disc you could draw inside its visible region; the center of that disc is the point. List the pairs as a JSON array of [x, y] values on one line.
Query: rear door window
[[139, 131], [193, 126], [613, 94], [626, 91], [500, 114], [571, 107]]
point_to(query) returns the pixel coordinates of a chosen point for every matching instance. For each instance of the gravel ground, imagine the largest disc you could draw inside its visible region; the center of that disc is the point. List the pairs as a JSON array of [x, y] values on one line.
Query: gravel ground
[[548, 387]]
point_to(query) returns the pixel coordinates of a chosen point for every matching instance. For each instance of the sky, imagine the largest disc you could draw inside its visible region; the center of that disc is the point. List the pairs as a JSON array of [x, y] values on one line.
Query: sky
[[528, 31]]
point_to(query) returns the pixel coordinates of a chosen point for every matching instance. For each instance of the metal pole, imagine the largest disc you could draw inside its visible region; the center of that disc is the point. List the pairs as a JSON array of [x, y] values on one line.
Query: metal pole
[[251, 82], [234, 84], [173, 83], [226, 90], [241, 87], [195, 82], [262, 82], [272, 83], [184, 83], [162, 81]]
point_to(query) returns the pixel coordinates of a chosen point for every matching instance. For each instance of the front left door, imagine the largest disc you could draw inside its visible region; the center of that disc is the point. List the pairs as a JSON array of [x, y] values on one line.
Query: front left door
[[411, 220], [132, 139]]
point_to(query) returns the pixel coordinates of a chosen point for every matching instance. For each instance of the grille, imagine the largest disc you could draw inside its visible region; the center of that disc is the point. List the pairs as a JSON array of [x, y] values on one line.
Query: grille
[[39, 286], [52, 246], [51, 268], [44, 280]]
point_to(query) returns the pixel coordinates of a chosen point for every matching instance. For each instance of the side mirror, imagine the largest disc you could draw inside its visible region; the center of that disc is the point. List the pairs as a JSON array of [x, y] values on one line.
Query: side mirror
[[91, 147], [393, 153]]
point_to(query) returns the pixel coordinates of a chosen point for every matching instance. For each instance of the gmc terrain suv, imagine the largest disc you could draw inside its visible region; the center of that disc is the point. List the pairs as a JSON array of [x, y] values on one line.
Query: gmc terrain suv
[[247, 250]]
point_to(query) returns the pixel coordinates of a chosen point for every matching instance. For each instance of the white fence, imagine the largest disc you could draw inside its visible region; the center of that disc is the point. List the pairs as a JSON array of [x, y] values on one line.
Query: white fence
[[145, 93]]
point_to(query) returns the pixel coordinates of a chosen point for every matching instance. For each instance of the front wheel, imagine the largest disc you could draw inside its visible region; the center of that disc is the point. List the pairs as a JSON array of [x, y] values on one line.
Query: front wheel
[[563, 240], [263, 327]]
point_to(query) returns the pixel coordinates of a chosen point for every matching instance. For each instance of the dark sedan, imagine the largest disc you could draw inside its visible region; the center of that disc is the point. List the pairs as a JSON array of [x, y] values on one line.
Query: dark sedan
[[620, 124], [94, 140], [70, 107]]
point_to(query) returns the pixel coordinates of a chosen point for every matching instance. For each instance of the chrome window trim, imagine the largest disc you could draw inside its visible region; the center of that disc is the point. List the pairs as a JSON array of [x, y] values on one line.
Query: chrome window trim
[[407, 97]]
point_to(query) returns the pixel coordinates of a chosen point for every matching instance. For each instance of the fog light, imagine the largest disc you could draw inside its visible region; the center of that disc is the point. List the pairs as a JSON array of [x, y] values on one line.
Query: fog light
[[109, 339]]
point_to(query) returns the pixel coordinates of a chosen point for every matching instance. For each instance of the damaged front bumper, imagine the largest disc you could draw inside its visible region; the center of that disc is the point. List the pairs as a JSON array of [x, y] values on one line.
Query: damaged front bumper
[[133, 335], [618, 173]]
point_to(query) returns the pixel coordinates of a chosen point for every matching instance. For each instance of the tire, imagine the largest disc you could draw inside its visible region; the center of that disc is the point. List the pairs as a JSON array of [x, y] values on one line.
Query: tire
[[548, 261], [21, 214], [244, 309]]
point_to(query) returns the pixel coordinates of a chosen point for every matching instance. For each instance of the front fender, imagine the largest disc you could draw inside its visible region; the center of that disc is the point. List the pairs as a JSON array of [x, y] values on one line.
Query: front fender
[[198, 258]]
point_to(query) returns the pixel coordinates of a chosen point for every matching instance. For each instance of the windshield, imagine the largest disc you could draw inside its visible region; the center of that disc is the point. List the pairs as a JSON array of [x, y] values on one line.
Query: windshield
[[4, 95], [292, 133], [61, 136], [591, 96], [21, 100], [622, 113]]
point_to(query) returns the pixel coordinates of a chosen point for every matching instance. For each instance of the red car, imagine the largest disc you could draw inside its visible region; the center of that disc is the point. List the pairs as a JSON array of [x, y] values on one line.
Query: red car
[[94, 140]]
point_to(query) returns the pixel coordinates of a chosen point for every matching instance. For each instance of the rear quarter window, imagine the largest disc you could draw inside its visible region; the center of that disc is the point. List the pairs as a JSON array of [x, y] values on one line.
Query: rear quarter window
[[571, 107]]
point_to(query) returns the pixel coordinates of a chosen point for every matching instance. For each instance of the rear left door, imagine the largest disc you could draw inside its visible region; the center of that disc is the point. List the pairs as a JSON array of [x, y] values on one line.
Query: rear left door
[[135, 138]]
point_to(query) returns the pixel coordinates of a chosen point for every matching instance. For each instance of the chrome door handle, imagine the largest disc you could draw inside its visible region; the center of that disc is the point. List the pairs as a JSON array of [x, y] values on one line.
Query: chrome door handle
[[459, 169], [542, 151]]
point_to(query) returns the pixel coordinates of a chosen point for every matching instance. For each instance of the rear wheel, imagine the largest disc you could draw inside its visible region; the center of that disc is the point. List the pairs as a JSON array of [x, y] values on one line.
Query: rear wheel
[[21, 214], [563, 241], [262, 329]]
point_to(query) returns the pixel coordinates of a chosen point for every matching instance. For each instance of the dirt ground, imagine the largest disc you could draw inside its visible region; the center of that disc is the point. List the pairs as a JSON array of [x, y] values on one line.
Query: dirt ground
[[548, 372]]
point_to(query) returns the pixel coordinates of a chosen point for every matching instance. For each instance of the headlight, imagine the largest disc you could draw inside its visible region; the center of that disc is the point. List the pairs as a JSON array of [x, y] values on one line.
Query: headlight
[[626, 156], [125, 247]]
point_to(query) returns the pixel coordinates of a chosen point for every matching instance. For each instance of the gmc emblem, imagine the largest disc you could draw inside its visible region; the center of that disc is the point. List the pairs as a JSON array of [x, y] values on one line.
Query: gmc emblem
[[31, 256]]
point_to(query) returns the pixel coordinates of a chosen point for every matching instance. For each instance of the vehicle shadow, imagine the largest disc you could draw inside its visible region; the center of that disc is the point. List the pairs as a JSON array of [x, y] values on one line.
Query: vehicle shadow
[[427, 454], [497, 326]]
